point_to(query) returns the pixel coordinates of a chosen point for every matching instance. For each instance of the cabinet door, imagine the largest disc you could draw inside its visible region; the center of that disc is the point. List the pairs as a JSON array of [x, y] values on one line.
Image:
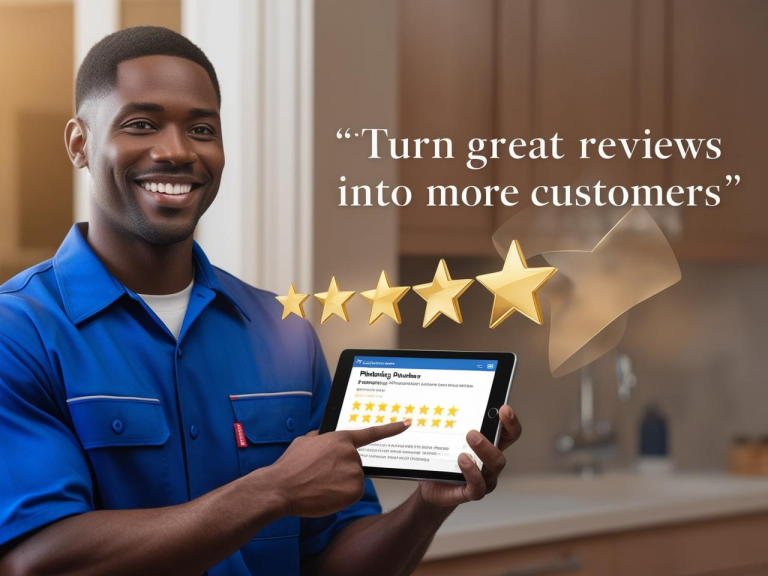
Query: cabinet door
[[718, 88], [447, 70]]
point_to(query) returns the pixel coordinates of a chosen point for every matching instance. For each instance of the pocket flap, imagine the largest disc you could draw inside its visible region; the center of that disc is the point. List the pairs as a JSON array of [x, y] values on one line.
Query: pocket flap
[[273, 417], [110, 421]]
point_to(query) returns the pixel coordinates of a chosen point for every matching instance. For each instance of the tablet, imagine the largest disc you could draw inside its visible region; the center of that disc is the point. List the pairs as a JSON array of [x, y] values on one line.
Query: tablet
[[446, 394]]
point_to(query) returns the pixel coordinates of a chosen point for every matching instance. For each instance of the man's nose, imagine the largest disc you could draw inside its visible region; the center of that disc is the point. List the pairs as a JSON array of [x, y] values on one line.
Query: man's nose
[[174, 147]]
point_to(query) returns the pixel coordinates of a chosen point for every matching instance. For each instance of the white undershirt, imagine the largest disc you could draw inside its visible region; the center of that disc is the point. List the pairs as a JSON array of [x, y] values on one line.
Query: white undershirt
[[170, 308]]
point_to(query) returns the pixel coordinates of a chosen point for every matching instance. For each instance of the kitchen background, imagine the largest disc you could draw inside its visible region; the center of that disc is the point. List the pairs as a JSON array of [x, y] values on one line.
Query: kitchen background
[[485, 68]]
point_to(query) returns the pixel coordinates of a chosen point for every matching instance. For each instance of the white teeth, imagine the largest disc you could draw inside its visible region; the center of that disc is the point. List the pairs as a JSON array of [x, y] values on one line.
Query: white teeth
[[167, 188]]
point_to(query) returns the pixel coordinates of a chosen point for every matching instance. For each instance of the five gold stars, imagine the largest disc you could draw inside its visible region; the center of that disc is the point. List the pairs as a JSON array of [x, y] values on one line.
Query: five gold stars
[[384, 299], [442, 295], [292, 303], [515, 287]]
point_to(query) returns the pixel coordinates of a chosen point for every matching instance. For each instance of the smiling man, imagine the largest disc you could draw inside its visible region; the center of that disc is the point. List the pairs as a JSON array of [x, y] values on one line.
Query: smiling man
[[156, 415]]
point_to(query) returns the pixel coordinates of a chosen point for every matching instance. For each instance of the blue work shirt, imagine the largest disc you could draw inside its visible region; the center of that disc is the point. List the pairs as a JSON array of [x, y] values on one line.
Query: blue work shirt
[[102, 408]]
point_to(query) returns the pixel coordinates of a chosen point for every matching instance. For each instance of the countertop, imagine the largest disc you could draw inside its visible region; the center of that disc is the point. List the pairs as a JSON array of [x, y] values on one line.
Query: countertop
[[535, 509]]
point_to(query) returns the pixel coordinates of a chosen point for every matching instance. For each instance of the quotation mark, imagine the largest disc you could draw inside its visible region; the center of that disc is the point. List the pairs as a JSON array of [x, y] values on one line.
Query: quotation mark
[[733, 179], [346, 134]]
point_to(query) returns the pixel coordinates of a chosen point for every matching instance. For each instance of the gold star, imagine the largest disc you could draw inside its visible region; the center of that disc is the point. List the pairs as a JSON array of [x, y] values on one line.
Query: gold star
[[393, 419], [409, 409], [395, 407], [382, 407], [452, 411], [515, 287], [366, 417], [334, 302], [379, 419], [353, 417], [449, 423], [423, 409], [442, 295], [355, 405], [436, 423], [369, 406], [292, 303], [384, 299], [439, 410], [421, 422]]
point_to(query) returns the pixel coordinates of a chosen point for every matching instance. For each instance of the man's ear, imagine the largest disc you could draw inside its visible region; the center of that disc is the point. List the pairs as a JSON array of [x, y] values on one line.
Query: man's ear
[[76, 140]]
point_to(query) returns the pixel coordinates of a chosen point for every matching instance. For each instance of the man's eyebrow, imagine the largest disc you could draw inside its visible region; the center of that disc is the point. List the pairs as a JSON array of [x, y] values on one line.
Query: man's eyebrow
[[152, 107], [203, 113], [141, 107]]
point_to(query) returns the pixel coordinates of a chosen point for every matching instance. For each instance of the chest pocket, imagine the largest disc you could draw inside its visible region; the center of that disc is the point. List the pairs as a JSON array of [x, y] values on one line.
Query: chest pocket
[[109, 421], [126, 439], [270, 423]]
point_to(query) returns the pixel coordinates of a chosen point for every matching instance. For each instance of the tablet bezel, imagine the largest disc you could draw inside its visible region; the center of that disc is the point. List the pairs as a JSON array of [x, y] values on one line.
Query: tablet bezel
[[491, 426]]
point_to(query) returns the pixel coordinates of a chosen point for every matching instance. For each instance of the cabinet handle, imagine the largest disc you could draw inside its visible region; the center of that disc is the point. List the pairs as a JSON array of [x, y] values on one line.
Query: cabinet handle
[[570, 562]]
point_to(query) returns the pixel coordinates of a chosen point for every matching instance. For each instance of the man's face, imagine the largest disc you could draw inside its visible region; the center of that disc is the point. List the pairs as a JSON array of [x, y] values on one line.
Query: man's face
[[159, 128]]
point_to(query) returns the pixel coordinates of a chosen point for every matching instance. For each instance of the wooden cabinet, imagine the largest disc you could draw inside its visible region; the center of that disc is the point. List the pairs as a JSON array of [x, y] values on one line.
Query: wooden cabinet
[[593, 68], [723, 547]]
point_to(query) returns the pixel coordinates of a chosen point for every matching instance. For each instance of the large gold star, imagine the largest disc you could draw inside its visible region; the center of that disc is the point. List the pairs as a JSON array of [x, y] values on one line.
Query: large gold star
[[292, 303], [384, 299], [515, 287], [334, 302], [442, 295]]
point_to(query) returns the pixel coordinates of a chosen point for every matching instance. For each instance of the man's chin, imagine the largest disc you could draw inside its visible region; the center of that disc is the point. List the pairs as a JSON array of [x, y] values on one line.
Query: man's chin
[[166, 234]]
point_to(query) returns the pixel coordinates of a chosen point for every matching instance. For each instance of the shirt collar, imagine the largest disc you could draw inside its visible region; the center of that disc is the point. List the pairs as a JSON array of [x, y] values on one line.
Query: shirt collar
[[87, 287]]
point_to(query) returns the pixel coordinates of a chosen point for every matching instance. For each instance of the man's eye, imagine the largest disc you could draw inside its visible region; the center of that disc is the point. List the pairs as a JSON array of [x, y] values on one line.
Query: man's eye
[[140, 124], [206, 131]]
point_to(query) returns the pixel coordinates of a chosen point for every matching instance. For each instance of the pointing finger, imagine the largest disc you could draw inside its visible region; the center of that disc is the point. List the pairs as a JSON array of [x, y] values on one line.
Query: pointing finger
[[375, 433]]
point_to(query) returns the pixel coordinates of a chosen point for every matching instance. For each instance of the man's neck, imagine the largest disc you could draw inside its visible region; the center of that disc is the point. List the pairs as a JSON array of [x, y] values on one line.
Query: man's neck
[[143, 267]]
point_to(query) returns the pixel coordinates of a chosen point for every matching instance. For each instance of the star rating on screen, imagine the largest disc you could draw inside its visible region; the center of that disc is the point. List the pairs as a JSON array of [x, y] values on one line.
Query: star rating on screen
[[437, 416], [514, 288]]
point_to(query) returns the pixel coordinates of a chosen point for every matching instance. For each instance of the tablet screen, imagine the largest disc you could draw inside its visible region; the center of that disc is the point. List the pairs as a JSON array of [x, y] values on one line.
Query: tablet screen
[[445, 398]]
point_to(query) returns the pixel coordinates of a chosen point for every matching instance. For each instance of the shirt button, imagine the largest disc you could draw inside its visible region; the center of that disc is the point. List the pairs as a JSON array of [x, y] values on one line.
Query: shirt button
[[117, 426], [193, 432], [179, 352], [290, 424]]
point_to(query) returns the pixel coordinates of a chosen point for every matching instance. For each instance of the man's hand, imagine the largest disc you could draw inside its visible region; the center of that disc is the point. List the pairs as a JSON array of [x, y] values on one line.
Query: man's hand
[[321, 474], [478, 483]]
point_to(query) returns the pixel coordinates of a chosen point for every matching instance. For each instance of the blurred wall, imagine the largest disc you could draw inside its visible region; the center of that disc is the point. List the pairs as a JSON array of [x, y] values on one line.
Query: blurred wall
[[35, 104]]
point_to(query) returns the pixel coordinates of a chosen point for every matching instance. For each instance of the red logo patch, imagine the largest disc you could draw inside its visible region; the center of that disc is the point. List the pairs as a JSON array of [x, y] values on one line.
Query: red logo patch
[[240, 436]]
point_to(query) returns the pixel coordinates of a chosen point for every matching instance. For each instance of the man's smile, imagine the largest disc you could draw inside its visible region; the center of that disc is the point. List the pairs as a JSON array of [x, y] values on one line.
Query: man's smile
[[164, 193]]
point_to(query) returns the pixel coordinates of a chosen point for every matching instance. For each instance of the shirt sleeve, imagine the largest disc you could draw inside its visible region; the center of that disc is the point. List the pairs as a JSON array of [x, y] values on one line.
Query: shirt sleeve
[[44, 474], [317, 533]]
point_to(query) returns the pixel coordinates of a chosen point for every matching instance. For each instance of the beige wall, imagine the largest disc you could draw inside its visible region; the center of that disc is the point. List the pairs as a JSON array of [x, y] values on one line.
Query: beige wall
[[151, 13], [35, 104]]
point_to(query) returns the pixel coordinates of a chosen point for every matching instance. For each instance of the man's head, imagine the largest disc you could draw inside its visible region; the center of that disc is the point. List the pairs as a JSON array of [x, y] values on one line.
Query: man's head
[[147, 103]]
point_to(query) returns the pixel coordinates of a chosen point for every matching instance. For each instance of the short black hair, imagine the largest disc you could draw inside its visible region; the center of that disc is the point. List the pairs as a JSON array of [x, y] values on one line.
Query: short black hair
[[98, 72]]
